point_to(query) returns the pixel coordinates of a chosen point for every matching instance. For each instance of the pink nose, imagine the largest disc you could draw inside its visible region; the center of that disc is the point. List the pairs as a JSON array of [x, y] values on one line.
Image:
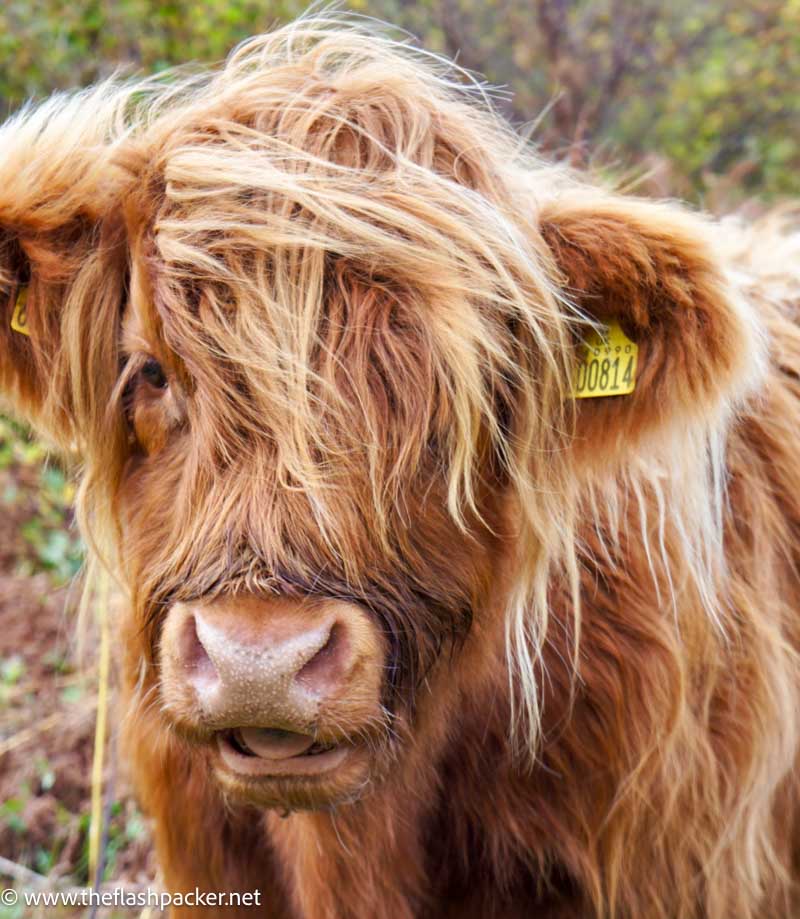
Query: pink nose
[[250, 663]]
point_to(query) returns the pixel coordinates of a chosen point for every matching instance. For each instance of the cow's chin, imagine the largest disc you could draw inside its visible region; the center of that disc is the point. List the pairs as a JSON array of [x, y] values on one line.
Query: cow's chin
[[321, 776]]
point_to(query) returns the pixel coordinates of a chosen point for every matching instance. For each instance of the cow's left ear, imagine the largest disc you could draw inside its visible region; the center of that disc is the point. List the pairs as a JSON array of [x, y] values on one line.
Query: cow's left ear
[[652, 269]]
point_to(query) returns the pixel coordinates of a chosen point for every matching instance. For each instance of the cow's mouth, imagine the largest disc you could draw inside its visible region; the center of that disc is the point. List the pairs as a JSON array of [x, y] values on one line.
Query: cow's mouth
[[265, 752]]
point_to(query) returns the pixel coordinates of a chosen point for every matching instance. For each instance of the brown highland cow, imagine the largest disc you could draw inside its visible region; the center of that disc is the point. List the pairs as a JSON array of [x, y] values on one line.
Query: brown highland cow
[[412, 631]]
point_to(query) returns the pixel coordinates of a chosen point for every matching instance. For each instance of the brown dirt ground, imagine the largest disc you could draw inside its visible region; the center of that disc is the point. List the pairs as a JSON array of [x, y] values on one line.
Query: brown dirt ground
[[47, 723]]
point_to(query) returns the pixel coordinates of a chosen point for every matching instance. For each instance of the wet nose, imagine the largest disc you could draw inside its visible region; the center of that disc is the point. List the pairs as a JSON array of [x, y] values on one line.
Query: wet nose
[[253, 664]]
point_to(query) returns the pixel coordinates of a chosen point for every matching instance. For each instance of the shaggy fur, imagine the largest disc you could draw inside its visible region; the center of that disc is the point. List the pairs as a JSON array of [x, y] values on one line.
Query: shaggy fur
[[367, 298]]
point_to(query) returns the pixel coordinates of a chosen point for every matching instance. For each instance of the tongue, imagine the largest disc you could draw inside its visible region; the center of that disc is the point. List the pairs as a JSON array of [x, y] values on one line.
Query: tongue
[[273, 743]]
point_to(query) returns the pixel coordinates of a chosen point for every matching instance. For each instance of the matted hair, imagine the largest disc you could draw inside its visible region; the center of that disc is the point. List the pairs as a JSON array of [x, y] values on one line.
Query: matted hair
[[327, 161]]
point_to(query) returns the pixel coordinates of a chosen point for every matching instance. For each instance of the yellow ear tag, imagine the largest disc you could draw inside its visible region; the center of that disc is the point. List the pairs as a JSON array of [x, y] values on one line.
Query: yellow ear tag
[[19, 319], [608, 364]]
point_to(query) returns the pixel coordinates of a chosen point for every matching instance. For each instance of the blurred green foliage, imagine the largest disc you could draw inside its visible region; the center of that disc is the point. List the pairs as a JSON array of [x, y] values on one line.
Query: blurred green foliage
[[38, 494], [709, 86], [704, 88], [49, 44]]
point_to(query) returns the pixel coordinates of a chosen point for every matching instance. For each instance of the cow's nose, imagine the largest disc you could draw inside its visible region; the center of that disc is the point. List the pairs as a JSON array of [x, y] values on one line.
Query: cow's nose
[[276, 680], [242, 664]]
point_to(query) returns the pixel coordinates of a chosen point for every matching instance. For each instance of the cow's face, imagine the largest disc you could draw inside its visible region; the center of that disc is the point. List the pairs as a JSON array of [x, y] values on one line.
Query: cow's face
[[353, 456], [297, 574], [326, 416]]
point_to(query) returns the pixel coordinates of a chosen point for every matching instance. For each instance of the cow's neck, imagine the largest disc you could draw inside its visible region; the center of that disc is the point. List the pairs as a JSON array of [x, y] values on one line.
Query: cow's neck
[[458, 840]]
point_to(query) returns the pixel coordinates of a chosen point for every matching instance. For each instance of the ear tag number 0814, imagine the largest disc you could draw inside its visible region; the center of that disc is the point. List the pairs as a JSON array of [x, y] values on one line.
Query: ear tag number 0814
[[607, 366]]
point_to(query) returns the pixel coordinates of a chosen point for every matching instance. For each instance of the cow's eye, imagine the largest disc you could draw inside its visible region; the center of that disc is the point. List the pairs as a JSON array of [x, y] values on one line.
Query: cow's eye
[[153, 373]]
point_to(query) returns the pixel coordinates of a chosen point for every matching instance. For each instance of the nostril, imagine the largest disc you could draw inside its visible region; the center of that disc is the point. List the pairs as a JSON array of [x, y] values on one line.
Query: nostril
[[327, 666], [194, 657]]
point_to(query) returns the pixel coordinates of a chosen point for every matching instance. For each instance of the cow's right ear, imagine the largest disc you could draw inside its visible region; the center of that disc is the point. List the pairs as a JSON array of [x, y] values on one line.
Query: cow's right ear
[[61, 261], [30, 336], [15, 355]]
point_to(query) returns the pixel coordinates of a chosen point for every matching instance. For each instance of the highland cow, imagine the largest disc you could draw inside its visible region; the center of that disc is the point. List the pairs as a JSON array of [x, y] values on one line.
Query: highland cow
[[414, 629]]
